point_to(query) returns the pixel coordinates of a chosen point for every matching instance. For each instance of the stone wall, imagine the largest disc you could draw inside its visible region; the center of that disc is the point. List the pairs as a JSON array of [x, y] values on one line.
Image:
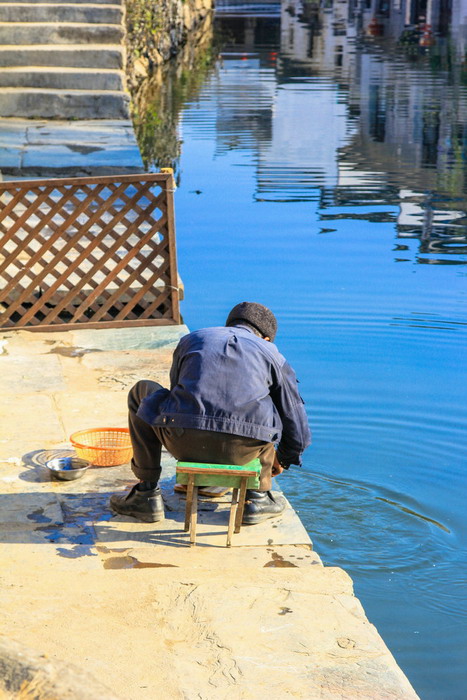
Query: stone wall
[[156, 31], [158, 99]]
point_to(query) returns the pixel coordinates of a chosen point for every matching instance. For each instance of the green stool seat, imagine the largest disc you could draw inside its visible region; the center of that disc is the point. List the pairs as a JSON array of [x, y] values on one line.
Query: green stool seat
[[239, 478]]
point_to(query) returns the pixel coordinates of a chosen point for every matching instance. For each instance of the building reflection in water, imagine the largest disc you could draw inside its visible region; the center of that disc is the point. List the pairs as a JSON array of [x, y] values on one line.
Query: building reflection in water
[[353, 103]]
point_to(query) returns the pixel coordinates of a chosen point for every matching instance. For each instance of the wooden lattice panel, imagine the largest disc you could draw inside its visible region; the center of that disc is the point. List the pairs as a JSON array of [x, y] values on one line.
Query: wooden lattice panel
[[92, 252]]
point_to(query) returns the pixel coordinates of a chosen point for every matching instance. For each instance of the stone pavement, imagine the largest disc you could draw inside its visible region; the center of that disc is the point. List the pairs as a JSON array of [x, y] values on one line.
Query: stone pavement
[[132, 604], [48, 148]]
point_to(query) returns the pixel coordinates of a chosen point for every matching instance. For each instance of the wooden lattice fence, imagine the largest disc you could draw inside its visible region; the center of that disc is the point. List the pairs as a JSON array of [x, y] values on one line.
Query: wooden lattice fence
[[89, 252]]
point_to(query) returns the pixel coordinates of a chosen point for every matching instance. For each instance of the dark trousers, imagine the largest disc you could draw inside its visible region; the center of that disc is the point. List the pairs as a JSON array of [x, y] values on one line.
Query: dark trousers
[[188, 444]]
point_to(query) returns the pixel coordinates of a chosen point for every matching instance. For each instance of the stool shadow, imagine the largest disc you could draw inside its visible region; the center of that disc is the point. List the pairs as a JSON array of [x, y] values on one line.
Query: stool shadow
[[169, 537]]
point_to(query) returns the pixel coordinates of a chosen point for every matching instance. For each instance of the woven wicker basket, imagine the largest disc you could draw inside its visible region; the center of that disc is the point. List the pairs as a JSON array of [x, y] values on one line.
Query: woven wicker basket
[[103, 447]]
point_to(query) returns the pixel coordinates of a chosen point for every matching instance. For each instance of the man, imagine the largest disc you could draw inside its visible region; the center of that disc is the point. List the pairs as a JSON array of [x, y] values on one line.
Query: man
[[232, 398]]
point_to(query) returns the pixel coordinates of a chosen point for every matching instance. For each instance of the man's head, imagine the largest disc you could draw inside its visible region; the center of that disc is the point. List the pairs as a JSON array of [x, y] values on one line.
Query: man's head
[[259, 317]]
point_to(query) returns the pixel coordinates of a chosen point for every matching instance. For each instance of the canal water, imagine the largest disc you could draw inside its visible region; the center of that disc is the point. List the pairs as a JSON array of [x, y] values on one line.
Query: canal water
[[321, 167]]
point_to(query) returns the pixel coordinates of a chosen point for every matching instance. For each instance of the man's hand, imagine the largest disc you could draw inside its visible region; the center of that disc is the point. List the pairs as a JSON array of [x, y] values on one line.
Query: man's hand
[[276, 467]]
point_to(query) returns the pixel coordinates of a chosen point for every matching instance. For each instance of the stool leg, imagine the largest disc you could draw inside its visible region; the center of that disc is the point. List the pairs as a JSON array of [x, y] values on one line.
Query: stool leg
[[189, 501], [241, 504], [194, 516], [233, 513]]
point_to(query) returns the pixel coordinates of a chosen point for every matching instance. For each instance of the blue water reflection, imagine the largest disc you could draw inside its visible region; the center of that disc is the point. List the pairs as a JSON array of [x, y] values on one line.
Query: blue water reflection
[[323, 173]]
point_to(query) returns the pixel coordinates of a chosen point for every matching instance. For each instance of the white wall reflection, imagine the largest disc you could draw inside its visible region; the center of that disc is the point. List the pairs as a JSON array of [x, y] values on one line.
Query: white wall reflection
[[352, 96]]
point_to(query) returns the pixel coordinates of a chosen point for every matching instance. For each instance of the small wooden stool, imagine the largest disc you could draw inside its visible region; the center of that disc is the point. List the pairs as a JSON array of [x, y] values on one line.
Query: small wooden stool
[[239, 478]]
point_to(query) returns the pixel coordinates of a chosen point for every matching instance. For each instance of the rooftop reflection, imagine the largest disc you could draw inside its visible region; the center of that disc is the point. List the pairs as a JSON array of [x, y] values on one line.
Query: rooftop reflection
[[353, 103]]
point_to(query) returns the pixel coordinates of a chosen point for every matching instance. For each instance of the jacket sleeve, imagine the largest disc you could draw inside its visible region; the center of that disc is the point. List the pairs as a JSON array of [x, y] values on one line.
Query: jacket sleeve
[[296, 434], [150, 407], [175, 367]]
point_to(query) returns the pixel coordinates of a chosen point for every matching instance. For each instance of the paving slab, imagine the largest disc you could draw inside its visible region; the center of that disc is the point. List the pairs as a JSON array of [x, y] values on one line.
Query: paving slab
[[29, 421], [10, 158], [81, 156], [234, 558], [23, 378], [48, 147], [94, 409], [107, 132], [128, 339], [13, 132], [28, 511], [123, 361]]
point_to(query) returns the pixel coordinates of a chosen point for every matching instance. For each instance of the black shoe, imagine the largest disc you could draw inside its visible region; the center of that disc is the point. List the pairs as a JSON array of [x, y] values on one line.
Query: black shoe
[[261, 505], [147, 506]]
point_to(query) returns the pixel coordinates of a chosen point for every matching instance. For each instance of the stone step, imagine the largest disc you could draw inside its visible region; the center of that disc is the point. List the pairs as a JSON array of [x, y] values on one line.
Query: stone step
[[55, 33], [62, 78], [66, 55], [59, 2], [33, 103], [89, 13], [42, 147]]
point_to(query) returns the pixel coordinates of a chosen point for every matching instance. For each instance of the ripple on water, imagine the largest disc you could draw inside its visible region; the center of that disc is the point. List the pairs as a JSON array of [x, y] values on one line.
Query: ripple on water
[[368, 530]]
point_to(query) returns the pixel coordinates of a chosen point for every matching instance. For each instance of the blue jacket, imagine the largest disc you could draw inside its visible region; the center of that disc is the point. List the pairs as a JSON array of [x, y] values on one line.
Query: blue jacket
[[229, 380]]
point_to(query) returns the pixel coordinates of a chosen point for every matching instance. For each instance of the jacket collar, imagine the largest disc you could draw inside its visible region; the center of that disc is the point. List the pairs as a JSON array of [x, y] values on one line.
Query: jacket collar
[[246, 328]]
